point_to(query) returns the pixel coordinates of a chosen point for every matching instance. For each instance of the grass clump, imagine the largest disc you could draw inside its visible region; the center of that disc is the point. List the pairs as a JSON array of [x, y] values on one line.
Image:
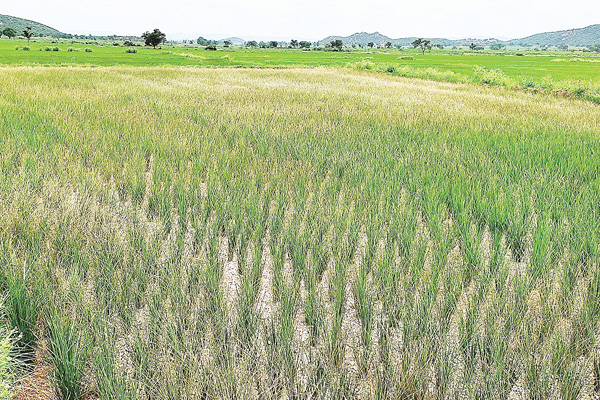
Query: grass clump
[[69, 353], [8, 365]]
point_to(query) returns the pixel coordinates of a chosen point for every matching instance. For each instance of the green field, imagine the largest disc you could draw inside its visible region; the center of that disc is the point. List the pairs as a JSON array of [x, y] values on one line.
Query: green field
[[577, 73], [181, 232]]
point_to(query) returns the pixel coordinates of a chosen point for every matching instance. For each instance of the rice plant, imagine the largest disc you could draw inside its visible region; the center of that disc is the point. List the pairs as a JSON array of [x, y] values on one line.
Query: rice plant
[[326, 233]]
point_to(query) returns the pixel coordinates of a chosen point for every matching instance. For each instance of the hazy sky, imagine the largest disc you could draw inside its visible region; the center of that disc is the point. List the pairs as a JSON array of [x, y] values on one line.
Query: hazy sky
[[309, 19]]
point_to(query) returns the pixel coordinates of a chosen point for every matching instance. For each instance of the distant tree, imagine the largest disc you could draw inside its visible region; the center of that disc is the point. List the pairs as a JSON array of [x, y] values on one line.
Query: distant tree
[[9, 33], [371, 44], [294, 43], [273, 44], [497, 46], [473, 46], [154, 38], [563, 47], [595, 47], [422, 44], [439, 46], [263, 45], [304, 44], [251, 43], [337, 44], [28, 33], [202, 42], [388, 45], [227, 43]]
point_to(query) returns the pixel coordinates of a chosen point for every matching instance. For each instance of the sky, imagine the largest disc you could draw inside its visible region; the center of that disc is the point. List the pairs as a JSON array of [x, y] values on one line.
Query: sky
[[309, 19]]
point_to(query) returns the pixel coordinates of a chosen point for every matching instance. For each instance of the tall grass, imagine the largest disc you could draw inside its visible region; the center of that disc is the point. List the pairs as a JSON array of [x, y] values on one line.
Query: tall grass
[[190, 233], [9, 365]]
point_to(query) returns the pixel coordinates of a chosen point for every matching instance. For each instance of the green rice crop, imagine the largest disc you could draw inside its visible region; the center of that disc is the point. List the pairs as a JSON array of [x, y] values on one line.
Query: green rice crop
[[180, 232]]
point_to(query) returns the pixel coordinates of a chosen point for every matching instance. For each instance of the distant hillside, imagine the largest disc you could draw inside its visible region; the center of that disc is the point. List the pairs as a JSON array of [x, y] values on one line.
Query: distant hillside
[[364, 38], [587, 36], [19, 24], [574, 37], [234, 40]]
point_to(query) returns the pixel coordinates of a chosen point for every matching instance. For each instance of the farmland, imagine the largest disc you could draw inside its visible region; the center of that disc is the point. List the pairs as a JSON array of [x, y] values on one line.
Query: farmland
[[542, 69], [183, 232]]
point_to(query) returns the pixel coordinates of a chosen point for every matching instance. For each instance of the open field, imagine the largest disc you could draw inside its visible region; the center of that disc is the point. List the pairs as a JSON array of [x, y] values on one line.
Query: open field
[[577, 73], [174, 232]]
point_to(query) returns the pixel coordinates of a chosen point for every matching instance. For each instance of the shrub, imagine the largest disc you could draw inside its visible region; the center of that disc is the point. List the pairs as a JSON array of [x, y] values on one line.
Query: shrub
[[55, 49], [47, 49], [88, 50], [527, 82], [391, 69], [131, 51], [16, 47], [26, 48], [128, 43], [212, 47], [491, 77], [71, 49], [406, 58]]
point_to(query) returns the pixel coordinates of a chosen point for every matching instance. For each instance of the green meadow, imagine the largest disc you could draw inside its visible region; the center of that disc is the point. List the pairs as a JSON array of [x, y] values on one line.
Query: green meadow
[[310, 225]]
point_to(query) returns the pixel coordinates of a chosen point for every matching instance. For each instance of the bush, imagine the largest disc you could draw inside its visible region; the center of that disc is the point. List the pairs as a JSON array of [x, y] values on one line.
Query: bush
[[88, 50], [128, 43], [406, 58], [71, 49], [212, 47], [26, 48], [391, 69], [131, 51], [16, 47], [491, 77], [55, 49], [48, 49]]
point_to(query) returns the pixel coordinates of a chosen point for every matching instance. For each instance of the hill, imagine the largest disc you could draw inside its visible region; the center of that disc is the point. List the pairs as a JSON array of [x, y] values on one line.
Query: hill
[[364, 38], [19, 24], [573, 37], [590, 35], [234, 40]]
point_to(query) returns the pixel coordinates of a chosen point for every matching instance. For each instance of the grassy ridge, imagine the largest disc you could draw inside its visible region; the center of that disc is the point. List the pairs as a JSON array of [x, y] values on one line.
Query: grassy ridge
[[262, 234]]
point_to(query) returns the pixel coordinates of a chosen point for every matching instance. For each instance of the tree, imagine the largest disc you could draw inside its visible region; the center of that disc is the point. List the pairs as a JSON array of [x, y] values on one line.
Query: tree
[[337, 44], [227, 43], [273, 44], [154, 38], [28, 34], [9, 33], [251, 43], [304, 44], [388, 45], [294, 43], [371, 44], [473, 46], [422, 44]]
